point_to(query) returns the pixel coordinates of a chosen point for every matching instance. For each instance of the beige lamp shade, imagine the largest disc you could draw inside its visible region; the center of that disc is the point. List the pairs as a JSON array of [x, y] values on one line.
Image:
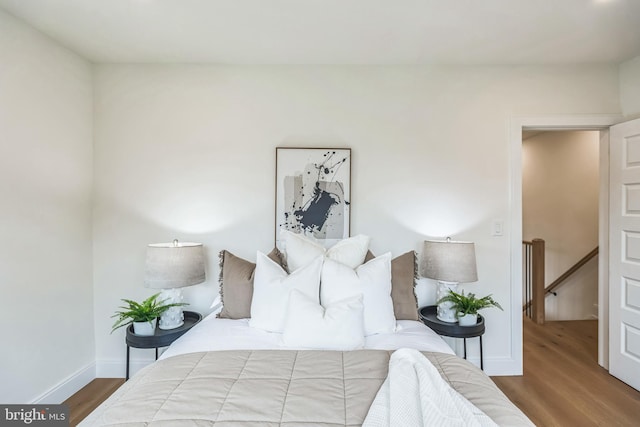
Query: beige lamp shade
[[174, 265], [449, 261]]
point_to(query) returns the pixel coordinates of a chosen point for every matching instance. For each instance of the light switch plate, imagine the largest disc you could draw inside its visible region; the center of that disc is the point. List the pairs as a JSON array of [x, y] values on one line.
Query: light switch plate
[[497, 228]]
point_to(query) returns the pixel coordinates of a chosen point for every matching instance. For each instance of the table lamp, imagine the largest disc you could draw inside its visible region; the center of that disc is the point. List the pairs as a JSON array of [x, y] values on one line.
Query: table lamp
[[449, 263], [171, 266]]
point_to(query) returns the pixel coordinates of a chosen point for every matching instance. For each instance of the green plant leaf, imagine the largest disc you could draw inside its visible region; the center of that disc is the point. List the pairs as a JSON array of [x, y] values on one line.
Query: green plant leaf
[[146, 311], [468, 304]]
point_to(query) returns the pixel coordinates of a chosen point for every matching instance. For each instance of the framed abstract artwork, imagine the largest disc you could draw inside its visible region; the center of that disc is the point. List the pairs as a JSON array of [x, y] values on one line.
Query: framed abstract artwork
[[313, 192]]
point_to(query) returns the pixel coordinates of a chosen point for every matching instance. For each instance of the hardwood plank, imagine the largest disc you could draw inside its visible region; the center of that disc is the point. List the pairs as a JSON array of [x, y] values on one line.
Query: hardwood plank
[[90, 397], [563, 384]]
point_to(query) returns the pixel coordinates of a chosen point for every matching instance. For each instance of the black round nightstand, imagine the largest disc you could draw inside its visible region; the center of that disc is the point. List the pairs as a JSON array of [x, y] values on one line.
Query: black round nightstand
[[428, 317], [161, 337]]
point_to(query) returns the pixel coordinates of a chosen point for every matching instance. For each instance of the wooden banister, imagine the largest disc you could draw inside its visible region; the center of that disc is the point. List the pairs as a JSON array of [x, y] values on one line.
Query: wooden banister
[[526, 276], [533, 279], [537, 275], [535, 289], [558, 282]]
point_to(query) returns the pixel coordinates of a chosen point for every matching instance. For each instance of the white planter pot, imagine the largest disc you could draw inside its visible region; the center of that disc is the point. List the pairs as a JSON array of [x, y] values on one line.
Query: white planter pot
[[468, 320], [145, 328]]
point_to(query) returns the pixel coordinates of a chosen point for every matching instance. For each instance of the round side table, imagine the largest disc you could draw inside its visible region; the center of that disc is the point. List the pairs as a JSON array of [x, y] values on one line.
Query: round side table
[[428, 317], [161, 337]]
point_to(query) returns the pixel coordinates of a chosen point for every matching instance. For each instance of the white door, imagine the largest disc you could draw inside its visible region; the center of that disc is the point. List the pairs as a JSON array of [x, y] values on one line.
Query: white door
[[624, 260]]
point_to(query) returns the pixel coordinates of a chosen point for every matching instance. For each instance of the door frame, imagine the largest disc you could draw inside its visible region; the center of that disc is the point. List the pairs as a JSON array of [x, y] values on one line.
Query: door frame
[[599, 122]]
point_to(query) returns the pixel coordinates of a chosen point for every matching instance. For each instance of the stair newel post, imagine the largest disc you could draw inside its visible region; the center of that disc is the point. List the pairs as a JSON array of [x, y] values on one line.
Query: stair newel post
[[538, 291]]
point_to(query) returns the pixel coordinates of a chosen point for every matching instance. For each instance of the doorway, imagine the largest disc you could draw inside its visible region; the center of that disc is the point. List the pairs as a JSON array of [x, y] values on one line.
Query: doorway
[[599, 123], [560, 205]]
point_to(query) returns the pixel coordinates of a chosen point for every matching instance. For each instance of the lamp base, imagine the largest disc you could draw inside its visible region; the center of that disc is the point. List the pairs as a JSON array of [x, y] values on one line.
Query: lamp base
[[445, 312], [174, 316]]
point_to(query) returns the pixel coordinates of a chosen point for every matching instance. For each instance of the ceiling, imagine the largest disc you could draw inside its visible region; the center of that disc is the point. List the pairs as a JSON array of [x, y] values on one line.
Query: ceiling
[[467, 32]]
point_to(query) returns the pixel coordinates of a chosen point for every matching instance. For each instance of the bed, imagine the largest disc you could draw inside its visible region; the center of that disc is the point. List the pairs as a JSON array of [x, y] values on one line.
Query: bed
[[232, 370]]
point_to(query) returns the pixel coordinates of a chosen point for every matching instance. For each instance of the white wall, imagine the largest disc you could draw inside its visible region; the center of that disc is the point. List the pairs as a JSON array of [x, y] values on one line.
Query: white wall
[[560, 190], [188, 152], [48, 348], [630, 87]]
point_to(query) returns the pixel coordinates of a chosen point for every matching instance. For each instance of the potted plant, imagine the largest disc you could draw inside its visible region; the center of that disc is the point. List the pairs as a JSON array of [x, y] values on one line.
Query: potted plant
[[467, 306], [143, 315]]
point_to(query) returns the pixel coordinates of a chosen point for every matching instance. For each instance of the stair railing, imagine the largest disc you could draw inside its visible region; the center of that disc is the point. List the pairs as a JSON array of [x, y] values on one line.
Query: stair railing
[[551, 289], [534, 290]]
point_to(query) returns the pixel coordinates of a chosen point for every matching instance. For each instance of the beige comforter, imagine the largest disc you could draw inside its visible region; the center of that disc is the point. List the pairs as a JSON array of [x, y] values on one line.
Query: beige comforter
[[279, 388]]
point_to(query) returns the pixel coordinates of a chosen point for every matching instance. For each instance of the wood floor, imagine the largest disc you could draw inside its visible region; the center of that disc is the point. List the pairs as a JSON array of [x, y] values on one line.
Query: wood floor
[[90, 397], [562, 383]]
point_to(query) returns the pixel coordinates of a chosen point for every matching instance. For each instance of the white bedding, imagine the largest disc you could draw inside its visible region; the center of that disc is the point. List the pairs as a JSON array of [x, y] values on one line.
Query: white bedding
[[415, 394], [213, 334]]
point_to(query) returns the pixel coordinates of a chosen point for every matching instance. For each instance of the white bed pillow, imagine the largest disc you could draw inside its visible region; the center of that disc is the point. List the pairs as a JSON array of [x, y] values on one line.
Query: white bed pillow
[[372, 280], [300, 250], [339, 326], [271, 288]]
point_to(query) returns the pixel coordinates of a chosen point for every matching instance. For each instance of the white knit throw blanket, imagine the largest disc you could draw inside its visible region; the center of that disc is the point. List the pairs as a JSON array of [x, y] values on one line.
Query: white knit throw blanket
[[414, 394]]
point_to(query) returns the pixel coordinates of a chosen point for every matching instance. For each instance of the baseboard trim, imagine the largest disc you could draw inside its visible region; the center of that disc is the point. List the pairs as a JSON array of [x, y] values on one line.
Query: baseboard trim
[[493, 366], [500, 366], [117, 368], [67, 387]]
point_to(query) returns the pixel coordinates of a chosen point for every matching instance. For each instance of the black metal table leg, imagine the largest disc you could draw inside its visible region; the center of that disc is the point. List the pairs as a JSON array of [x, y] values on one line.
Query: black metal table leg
[[160, 338], [127, 377], [429, 316]]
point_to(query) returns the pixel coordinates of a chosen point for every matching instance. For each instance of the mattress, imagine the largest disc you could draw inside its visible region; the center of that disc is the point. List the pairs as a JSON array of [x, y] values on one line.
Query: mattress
[[293, 388], [214, 334]]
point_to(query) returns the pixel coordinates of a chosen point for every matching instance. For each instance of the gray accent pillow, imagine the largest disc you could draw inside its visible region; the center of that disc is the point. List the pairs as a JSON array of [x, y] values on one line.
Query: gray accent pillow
[[403, 275], [236, 283]]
